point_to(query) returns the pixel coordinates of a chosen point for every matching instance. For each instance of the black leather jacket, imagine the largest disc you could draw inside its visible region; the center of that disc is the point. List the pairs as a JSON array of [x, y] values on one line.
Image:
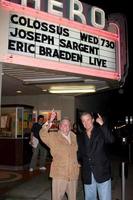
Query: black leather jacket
[[93, 156]]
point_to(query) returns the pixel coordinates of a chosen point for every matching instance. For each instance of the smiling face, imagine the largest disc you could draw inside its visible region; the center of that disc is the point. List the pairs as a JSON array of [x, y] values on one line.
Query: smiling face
[[87, 121], [65, 126]]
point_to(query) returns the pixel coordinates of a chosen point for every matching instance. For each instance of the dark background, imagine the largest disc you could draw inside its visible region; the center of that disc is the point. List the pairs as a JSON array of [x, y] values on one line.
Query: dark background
[[125, 8], [117, 104], [122, 100]]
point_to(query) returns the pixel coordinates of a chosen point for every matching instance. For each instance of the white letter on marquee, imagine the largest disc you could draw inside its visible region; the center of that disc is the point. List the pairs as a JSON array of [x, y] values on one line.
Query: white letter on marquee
[[24, 2], [52, 10], [97, 17], [37, 4], [76, 14]]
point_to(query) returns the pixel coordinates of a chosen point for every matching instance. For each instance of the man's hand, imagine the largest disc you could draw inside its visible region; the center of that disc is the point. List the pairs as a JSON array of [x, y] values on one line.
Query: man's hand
[[99, 120], [50, 121], [53, 115]]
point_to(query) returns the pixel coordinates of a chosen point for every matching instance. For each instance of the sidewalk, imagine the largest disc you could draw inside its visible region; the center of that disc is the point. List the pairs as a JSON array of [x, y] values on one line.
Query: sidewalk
[[39, 186]]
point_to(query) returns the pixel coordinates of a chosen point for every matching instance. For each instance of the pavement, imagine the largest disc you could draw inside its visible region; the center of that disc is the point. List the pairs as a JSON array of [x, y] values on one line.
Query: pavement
[[38, 187]]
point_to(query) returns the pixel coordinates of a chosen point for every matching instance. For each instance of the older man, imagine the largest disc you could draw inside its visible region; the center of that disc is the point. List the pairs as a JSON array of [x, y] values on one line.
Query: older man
[[64, 168]]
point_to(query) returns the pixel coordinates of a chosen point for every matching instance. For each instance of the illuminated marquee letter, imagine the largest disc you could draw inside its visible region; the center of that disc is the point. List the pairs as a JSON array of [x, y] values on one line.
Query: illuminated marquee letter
[[37, 3], [97, 17], [52, 10], [24, 2], [78, 12]]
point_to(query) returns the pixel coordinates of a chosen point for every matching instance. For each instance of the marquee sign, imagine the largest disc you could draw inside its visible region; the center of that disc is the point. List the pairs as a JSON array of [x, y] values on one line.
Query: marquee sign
[[47, 40], [70, 46]]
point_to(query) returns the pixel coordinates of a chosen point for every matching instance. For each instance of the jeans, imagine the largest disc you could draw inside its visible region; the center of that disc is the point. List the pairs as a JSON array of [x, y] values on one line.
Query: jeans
[[103, 189], [39, 150]]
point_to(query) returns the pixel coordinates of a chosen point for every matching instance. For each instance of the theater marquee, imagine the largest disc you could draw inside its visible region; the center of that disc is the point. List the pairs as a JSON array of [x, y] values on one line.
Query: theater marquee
[[54, 42]]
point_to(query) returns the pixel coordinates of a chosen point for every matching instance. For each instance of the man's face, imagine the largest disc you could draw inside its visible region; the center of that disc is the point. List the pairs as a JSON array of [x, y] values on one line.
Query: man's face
[[41, 120], [65, 126], [87, 121]]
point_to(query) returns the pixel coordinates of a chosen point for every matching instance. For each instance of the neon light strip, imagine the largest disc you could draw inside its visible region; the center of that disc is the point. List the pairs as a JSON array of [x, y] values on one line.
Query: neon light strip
[[55, 19], [118, 49], [32, 62], [23, 60]]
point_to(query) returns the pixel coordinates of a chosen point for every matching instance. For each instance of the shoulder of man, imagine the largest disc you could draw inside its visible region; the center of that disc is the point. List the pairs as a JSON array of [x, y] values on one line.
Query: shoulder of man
[[35, 124]]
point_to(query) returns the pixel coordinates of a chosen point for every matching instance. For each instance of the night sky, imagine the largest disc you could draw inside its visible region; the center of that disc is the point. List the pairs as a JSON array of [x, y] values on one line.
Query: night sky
[[123, 7], [121, 100]]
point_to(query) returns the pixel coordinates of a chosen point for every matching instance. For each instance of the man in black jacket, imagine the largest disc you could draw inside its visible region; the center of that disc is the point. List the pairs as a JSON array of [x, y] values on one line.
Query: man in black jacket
[[92, 154]]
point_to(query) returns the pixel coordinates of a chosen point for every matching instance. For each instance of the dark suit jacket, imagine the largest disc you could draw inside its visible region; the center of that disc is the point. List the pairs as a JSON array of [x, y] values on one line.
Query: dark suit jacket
[[93, 156]]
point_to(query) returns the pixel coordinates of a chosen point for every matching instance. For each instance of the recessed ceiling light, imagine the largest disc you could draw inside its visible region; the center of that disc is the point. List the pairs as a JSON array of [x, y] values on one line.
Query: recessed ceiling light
[[73, 89], [18, 91], [44, 90]]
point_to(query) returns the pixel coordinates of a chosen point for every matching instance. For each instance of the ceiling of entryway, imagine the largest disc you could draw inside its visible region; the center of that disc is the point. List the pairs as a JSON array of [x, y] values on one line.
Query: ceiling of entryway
[[35, 81]]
